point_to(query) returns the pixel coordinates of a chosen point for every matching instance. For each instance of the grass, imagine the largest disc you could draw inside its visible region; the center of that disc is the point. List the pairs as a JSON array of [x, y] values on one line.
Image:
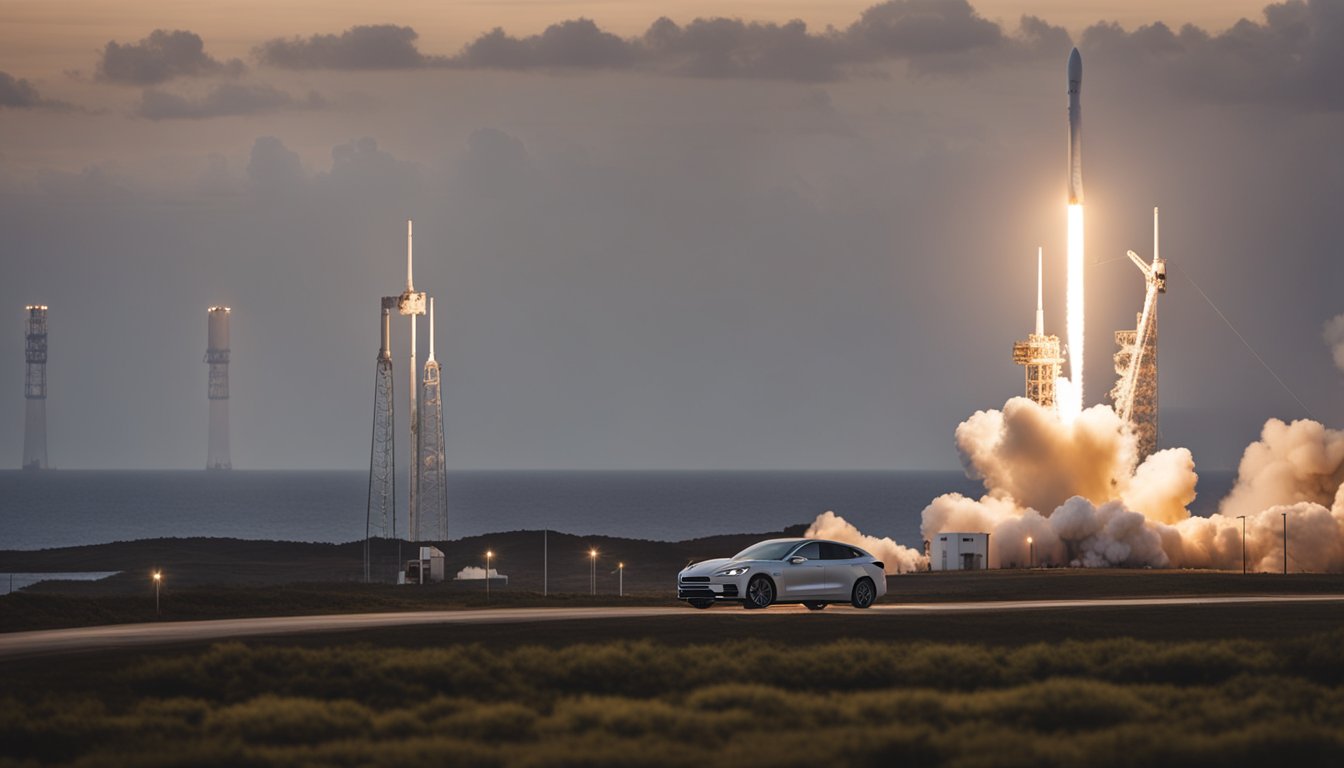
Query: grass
[[1113, 702]]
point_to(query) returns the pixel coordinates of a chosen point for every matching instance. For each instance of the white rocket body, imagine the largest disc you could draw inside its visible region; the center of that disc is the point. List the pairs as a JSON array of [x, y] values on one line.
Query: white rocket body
[[1075, 128]]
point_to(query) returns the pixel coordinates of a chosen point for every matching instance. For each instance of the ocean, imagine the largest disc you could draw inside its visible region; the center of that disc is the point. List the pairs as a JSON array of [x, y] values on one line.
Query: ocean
[[63, 508]]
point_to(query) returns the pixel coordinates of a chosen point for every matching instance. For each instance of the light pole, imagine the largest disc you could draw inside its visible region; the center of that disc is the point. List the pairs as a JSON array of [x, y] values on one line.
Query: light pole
[[1242, 518], [488, 555], [1285, 542], [545, 563], [620, 568], [592, 572], [158, 577], [1031, 550]]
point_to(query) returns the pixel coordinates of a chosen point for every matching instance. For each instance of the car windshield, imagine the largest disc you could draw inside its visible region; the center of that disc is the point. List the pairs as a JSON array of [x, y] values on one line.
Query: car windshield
[[766, 550]]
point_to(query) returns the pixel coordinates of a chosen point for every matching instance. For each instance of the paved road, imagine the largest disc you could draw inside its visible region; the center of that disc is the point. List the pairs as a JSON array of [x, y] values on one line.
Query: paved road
[[15, 645]]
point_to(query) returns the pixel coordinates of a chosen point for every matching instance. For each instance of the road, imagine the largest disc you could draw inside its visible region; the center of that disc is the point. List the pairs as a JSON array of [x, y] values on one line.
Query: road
[[45, 642]]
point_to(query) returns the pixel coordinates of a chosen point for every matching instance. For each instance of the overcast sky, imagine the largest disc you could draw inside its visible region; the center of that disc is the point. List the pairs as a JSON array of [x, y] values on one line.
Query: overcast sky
[[661, 235]]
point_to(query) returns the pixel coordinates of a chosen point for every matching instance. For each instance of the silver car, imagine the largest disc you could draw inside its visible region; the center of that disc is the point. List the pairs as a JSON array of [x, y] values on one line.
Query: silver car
[[814, 572]]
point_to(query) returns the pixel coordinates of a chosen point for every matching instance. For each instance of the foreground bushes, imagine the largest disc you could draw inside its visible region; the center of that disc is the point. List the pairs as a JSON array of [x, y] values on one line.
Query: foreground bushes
[[1117, 702]]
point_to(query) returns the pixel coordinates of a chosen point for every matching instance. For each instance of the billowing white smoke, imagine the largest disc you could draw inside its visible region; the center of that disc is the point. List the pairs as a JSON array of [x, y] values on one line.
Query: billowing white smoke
[[1333, 333], [894, 557], [1074, 489], [475, 573]]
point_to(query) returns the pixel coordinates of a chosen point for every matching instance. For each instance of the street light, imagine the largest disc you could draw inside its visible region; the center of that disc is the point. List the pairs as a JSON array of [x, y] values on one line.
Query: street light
[[620, 568], [1285, 542], [592, 575], [1031, 549], [158, 577], [1242, 518], [488, 555]]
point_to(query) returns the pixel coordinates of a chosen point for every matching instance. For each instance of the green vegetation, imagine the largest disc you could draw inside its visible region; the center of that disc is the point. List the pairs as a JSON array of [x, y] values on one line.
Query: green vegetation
[[1117, 702]]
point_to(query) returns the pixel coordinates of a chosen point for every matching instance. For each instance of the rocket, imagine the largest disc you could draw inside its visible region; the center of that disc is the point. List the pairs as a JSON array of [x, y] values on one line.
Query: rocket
[[1075, 128]]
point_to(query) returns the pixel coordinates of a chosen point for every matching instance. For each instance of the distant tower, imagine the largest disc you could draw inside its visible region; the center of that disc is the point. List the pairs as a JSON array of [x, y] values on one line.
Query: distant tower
[[382, 507], [35, 389], [412, 304], [1039, 354], [433, 496], [1135, 391], [217, 356]]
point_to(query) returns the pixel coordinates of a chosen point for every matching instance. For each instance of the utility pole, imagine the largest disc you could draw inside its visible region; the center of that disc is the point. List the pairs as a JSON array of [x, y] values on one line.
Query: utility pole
[[1285, 542], [1242, 518], [545, 563]]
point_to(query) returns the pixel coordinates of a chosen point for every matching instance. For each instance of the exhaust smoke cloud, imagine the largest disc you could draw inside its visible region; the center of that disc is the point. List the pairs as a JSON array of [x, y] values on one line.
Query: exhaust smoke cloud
[[1077, 490]]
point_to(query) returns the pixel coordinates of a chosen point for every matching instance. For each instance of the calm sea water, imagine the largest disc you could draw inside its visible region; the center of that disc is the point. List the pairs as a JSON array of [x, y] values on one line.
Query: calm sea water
[[69, 507]]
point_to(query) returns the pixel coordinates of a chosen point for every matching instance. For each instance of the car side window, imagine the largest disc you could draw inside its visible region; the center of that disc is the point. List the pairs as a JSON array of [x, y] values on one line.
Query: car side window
[[810, 550], [836, 552]]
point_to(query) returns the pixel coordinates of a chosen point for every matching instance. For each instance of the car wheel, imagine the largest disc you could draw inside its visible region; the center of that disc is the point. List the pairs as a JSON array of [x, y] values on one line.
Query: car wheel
[[815, 606], [864, 593], [760, 593], [703, 603]]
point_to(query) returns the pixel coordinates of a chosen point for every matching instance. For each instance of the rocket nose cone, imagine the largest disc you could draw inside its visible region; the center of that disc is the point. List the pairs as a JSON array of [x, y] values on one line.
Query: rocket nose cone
[[1075, 65]]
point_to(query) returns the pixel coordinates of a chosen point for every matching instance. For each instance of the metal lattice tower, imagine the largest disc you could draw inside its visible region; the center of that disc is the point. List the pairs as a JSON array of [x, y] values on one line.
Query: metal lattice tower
[[433, 480], [217, 356], [381, 519], [411, 303], [35, 388], [1040, 354], [1135, 390]]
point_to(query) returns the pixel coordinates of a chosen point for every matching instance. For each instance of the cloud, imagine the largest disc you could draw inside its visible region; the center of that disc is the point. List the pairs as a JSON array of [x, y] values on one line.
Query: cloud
[[273, 166], [18, 93], [733, 48], [221, 101], [919, 28], [162, 56], [1293, 56], [381, 46], [1333, 333]]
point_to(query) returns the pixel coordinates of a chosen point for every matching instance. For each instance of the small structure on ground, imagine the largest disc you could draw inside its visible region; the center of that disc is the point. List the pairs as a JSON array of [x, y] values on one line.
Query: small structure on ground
[[959, 552], [429, 568]]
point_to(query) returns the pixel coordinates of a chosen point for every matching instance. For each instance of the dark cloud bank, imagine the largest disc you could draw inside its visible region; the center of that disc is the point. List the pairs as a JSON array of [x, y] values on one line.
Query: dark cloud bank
[[162, 56], [1293, 54]]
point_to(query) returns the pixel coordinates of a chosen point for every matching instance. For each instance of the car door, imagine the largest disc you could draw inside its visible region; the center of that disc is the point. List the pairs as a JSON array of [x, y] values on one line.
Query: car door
[[840, 564], [806, 579]]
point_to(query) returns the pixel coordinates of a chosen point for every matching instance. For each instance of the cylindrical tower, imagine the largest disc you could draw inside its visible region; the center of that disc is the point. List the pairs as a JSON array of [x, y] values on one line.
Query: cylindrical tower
[[35, 388], [217, 356]]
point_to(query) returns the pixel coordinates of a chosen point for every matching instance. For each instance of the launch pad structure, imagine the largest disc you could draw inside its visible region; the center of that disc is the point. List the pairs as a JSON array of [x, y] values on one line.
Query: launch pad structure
[[1135, 391], [35, 388], [427, 494], [1039, 354], [217, 356]]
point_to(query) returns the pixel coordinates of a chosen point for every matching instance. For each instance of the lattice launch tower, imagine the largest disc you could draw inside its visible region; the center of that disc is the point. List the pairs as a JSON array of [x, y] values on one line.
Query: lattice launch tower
[[1039, 354], [217, 357], [35, 388], [433, 496]]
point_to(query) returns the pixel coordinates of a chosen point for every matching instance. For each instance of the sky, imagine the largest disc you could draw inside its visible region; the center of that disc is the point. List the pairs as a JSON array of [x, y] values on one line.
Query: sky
[[733, 235]]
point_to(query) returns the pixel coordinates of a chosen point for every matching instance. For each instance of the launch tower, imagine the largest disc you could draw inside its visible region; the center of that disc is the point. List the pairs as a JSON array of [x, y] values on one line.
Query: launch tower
[[1135, 391], [217, 356], [433, 496], [411, 303], [1039, 354], [381, 520], [35, 388]]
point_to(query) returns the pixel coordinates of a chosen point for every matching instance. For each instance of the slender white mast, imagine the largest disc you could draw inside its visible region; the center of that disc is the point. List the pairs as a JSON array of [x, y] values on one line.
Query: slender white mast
[[410, 255], [430, 359], [1040, 312]]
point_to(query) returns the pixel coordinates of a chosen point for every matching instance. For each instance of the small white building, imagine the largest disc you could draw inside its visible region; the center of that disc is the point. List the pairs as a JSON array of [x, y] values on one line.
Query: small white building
[[428, 568], [959, 552]]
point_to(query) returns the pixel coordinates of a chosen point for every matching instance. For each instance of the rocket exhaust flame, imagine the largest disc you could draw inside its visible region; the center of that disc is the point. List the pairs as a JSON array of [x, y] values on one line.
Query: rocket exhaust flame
[[1071, 400]]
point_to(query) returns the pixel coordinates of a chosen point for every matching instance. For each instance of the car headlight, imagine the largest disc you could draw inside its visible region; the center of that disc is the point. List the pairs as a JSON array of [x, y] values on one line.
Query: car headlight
[[736, 571]]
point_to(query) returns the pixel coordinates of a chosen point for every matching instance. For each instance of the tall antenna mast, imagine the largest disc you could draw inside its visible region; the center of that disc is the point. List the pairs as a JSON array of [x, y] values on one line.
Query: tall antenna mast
[[1040, 312], [412, 304]]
